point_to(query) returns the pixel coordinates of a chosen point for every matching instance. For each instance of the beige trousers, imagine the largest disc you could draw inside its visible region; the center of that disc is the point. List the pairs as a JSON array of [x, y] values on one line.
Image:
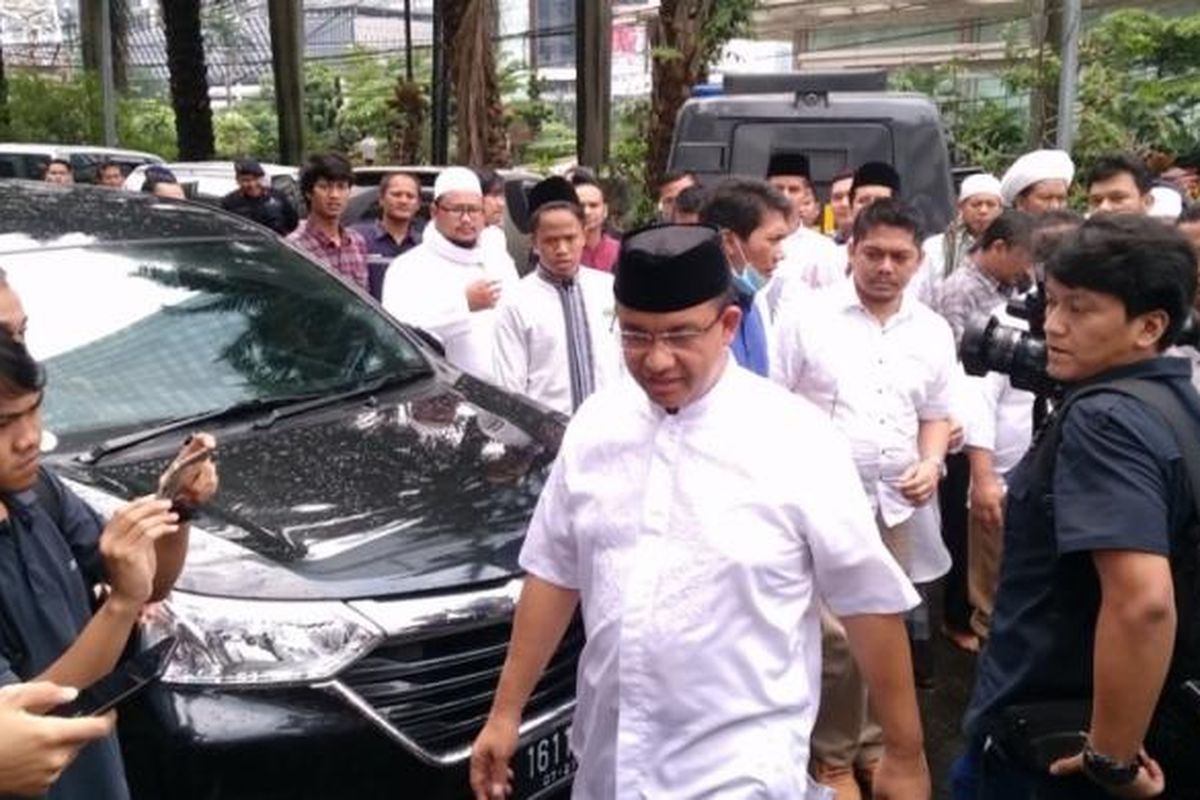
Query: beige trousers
[[846, 734], [984, 551]]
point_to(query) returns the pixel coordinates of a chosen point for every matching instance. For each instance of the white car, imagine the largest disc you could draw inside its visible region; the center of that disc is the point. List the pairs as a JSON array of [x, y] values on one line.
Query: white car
[[30, 160], [211, 179]]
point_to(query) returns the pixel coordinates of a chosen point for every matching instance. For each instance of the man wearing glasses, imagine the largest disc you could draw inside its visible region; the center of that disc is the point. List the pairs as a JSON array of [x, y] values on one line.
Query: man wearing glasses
[[878, 364], [450, 284], [697, 555]]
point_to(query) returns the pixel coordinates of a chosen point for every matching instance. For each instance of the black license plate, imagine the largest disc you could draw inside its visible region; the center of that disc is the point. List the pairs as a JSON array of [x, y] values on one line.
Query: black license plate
[[541, 763]]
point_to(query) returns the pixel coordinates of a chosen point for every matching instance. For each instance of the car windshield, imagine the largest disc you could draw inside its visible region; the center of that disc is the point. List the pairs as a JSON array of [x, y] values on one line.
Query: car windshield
[[136, 334]]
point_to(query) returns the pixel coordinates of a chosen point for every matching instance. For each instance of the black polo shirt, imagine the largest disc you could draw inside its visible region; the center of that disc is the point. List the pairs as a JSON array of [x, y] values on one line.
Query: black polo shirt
[[47, 571], [1119, 484]]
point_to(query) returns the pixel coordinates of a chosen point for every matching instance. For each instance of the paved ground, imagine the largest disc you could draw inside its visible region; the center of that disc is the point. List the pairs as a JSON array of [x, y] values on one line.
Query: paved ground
[[942, 707]]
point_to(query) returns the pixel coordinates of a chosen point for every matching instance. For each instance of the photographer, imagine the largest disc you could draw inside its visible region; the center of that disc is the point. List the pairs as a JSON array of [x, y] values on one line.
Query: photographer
[[1085, 615], [34, 750], [54, 551]]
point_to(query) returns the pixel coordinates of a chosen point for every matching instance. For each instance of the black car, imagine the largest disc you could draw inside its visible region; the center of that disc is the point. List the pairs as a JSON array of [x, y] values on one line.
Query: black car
[[347, 600]]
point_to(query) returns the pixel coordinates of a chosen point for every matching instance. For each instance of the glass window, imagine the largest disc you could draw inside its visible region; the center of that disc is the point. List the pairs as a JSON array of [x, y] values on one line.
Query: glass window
[[136, 334]]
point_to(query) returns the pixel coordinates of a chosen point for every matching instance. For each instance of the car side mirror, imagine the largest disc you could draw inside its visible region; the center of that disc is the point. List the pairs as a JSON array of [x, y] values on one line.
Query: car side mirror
[[429, 339]]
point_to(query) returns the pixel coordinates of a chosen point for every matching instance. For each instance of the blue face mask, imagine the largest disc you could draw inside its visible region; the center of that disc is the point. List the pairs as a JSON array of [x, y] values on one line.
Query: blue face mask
[[753, 278], [750, 277]]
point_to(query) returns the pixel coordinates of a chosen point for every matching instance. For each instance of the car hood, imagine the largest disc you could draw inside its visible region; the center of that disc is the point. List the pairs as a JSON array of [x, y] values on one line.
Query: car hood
[[422, 489]]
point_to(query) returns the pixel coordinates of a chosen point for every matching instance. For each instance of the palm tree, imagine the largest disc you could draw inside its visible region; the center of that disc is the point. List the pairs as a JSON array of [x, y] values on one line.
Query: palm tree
[[189, 79], [479, 115]]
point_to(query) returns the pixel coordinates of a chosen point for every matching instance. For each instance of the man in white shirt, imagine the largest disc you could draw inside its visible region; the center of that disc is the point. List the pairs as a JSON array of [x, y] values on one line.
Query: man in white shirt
[[554, 333], [1038, 181], [450, 284], [880, 365], [697, 515], [808, 257], [979, 203]]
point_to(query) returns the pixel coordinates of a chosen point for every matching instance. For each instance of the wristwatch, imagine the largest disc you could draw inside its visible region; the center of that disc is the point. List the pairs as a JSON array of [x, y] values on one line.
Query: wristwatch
[[1109, 772]]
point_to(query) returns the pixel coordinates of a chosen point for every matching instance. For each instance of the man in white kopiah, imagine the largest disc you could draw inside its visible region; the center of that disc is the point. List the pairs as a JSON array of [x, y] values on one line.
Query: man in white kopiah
[[979, 203], [697, 513], [1038, 181], [451, 283], [555, 340]]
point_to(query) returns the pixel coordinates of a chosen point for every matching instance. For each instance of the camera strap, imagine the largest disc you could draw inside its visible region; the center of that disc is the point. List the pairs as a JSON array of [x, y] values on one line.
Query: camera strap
[[1185, 544]]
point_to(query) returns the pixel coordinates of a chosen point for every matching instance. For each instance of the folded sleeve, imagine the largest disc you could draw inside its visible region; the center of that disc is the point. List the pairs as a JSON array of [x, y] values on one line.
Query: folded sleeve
[[1111, 484]]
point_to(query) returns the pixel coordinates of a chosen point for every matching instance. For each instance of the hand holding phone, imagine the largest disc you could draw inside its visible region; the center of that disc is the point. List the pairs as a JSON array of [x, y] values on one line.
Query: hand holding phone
[[191, 479], [129, 678]]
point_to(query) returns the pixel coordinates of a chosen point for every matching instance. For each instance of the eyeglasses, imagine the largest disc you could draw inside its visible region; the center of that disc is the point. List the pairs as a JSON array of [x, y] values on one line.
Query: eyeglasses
[[462, 211], [677, 340]]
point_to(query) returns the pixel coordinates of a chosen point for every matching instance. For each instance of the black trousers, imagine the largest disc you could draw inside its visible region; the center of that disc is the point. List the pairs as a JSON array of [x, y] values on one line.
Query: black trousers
[[952, 500]]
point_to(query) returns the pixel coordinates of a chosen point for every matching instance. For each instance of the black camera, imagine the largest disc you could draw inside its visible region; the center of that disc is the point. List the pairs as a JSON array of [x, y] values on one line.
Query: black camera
[[988, 345]]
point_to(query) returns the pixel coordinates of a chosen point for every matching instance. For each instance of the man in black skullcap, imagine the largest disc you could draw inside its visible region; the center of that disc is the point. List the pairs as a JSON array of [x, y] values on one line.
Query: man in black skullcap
[[554, 336], [255, 200], [810, 260], [873, 181], [697, 513]]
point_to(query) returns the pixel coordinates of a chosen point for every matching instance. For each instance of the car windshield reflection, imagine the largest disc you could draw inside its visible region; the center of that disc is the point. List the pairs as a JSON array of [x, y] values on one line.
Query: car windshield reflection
[[165, 330]]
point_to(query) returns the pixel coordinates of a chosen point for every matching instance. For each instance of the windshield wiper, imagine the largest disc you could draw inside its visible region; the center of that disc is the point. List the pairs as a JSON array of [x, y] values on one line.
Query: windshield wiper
[[278, 408]]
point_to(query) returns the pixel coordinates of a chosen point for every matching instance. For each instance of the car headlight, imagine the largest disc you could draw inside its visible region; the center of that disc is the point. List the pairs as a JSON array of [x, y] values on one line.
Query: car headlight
[[228, 642]]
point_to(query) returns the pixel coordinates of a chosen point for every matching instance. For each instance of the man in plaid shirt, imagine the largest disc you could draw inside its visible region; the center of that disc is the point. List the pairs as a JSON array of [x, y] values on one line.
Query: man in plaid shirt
[[998, 266], [325, 181]]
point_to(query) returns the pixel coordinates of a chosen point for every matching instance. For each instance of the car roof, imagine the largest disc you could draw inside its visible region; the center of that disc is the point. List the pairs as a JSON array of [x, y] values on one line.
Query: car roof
[[35, 215], [68, 149]]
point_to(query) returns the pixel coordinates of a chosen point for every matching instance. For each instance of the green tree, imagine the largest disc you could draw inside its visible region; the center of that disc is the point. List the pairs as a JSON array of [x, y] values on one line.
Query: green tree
[[687, 37], [236, 135], [1139, 88], [148, 125], [3, 97]]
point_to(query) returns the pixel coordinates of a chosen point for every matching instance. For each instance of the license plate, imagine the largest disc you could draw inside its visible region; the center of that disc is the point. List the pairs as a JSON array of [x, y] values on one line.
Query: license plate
[[542, 763]]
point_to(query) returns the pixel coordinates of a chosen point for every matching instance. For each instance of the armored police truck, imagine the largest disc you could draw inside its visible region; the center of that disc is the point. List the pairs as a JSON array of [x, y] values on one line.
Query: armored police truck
[[839, 120]]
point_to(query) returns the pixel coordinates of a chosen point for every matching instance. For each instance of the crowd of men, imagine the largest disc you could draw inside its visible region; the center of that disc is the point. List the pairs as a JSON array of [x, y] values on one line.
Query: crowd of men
[[774, 452]]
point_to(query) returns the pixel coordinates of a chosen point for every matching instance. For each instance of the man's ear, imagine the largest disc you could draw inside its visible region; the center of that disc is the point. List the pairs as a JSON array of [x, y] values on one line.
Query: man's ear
[[1151, 327]]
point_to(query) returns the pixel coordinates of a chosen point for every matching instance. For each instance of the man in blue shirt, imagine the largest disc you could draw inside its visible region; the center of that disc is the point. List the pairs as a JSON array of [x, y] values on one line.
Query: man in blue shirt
[[753, 221], [398, 228], [55, 551], [1086, 610]]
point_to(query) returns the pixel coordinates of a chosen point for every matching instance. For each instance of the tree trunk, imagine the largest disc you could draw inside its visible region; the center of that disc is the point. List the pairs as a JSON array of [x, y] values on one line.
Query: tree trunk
[[4, 118], [479, 115], [676, 38], [189, 79], [119, 26]]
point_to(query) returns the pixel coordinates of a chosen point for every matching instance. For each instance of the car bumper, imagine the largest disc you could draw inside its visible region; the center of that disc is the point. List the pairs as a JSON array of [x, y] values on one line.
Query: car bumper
[[289, 743]]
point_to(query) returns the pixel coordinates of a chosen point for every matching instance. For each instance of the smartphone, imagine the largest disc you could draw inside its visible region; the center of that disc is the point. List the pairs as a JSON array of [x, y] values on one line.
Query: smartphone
[[131, 677], [168, 484]]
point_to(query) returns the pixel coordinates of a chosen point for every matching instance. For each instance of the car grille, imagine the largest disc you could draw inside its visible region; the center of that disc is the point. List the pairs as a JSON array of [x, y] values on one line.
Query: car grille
[[437, 690]]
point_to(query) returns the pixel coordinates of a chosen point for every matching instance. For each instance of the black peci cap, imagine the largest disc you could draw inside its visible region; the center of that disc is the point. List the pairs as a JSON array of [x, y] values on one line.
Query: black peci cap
[[666, 268], [554, 189], [788, 163], [876, 173]]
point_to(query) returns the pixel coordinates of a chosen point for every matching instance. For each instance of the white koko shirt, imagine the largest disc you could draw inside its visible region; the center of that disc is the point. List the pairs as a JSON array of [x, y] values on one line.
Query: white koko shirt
[[427, 287], [699, 543], [531, 356], [877, 382]]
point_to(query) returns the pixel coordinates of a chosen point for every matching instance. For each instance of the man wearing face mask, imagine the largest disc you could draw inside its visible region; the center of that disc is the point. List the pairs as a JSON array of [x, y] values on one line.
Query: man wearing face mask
[[753, 220]]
